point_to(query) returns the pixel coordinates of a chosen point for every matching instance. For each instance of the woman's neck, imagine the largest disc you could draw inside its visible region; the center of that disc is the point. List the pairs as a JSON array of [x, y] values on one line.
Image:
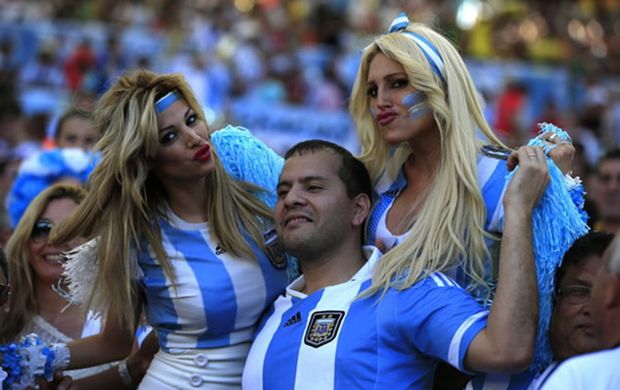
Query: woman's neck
[[425, 152], [189, 202]]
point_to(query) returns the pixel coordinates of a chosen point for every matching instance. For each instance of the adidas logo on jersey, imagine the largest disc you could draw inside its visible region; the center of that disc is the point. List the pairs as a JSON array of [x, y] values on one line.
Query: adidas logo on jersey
[[293, 320]]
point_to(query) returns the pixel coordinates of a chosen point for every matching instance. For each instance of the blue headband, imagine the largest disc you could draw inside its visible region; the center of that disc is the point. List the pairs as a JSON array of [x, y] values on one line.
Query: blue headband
[[166, 101], [430, 51]]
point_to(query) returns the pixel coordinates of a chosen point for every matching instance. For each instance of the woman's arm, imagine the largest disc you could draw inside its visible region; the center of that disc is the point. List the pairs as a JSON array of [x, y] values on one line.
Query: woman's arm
[[113, 343], [136, 366], [507, 343]]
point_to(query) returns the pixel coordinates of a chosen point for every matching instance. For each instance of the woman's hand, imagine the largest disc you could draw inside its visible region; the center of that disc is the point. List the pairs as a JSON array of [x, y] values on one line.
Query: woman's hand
[[139, 362], [562, 154], [60, 382], [530, 181]]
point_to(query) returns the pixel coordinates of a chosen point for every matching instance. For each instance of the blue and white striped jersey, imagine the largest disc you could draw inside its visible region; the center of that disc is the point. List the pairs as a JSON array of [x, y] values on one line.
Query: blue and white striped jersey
[[491, 177], [218, 297], [518, 381], [331, 340]]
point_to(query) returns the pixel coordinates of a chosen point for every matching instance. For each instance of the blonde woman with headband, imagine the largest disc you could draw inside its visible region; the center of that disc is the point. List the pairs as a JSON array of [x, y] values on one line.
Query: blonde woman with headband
[[421, 128], [180, 218]]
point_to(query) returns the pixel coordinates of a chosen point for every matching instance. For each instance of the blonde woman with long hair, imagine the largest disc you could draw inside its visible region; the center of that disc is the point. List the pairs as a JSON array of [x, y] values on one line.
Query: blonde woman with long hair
[[35, 266], [421, 128], [177, 233]]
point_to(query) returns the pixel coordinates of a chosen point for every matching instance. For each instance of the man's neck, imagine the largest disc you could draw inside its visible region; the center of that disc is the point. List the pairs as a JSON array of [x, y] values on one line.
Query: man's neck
[[330, 269], [609, 225]]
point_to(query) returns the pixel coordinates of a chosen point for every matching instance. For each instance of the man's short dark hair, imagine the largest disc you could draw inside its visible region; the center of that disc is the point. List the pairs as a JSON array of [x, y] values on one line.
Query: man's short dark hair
[[352, 171], [611, 154], [592, 243]]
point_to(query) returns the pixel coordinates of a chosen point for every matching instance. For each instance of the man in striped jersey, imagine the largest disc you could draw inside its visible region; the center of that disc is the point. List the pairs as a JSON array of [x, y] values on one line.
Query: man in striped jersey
[[321, 334]]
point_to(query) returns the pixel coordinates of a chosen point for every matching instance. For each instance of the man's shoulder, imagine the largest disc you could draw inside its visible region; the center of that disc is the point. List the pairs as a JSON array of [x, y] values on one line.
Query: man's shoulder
[[591, 370], [595, 360]]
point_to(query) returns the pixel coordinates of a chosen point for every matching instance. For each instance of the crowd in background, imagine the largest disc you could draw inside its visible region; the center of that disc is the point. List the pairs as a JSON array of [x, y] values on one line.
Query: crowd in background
[[285, 69]]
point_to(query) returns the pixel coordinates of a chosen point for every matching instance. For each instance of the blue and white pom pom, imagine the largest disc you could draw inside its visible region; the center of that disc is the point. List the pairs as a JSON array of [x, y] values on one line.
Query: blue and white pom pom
[[25, 361], [41, 170], [557, 221]]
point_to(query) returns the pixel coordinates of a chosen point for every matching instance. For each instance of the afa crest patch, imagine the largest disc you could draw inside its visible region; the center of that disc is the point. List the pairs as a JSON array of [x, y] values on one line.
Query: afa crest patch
[[323, 327], [274, 251]]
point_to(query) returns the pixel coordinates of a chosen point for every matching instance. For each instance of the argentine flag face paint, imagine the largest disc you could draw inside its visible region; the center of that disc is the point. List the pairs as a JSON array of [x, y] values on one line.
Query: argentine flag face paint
[[415, 102], [373, 112]]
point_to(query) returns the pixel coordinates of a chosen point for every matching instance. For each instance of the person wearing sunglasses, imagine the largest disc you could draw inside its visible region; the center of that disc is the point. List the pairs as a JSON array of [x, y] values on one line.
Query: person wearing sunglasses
[[35, 266]]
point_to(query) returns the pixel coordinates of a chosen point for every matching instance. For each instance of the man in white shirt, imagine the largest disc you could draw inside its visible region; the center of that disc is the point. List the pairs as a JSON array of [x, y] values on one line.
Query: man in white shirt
[[598, 370]]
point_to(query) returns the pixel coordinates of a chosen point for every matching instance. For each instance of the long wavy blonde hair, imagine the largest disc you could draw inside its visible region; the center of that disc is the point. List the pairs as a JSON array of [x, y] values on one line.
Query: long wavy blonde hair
[[449, 229], [22, 303], [125, 199]]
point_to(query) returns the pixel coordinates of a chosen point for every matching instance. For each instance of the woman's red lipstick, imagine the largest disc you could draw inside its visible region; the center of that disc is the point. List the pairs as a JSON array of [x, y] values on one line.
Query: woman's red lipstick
[[204, 153]]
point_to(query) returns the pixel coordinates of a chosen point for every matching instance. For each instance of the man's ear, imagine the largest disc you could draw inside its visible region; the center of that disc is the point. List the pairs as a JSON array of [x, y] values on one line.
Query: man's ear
[[362, 205], [612, 295]]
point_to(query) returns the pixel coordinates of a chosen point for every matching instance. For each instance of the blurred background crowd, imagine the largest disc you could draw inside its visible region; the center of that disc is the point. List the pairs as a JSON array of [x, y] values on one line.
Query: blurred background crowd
[[284, 68]]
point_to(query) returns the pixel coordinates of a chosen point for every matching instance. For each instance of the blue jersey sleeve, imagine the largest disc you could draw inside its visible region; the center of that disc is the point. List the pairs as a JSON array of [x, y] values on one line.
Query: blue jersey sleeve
[[247, 158], [492, 179], [440, 319]]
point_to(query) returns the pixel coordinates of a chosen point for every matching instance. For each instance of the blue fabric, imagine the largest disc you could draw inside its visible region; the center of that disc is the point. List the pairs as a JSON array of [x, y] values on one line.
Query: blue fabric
[[393, 342], [246, 158], [400, 24], [166, 101], [556, 223], [218, 298], [44, 169]]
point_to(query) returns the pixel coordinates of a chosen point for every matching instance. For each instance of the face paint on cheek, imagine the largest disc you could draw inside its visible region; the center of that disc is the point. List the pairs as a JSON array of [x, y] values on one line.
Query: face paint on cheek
[[416, 104], [373, 112]]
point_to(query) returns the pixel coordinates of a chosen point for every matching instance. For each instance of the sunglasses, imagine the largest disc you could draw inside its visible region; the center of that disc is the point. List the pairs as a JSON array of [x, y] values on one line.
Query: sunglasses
[[42, 229]]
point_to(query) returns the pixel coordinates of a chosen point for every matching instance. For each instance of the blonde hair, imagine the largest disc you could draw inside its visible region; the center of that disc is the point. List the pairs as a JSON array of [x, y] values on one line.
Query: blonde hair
[[125, 199], [23, 303], [449, 229]]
